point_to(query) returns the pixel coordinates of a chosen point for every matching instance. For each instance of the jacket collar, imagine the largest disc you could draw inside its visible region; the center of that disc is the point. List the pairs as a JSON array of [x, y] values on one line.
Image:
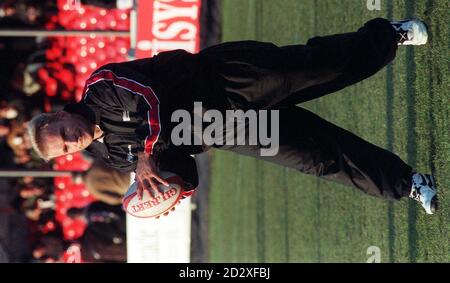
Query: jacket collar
[[91, 113], [98, 149]]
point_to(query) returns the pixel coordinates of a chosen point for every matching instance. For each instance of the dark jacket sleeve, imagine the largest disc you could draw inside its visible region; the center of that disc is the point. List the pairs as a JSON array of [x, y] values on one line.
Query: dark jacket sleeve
[[181, 164]]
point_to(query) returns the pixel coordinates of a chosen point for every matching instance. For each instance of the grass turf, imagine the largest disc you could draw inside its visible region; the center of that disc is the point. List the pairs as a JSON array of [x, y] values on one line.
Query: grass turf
[[261, 212]]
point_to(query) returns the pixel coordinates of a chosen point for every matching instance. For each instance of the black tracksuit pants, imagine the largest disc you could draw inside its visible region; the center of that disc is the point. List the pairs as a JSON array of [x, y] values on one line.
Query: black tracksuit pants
[[256, 75]]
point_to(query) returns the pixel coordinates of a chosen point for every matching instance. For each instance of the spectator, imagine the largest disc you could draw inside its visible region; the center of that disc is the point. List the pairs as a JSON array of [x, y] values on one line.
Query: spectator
[[8, 112], [4, 131], [104, 239], [31, 192], [49, 248], [31, 12], [18, 140], [106, 184]]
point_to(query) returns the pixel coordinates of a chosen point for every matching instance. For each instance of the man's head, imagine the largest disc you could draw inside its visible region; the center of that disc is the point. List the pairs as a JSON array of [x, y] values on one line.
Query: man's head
[[60, 133]]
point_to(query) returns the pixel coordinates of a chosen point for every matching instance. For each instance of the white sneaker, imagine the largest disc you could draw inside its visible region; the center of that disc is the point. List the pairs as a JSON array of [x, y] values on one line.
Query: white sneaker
[[411, 32], [424, 191]]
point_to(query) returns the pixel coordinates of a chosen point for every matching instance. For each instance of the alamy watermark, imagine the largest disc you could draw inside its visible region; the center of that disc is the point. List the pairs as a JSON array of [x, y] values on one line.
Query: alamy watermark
[[373, 5], [374, 254], [236, 127]]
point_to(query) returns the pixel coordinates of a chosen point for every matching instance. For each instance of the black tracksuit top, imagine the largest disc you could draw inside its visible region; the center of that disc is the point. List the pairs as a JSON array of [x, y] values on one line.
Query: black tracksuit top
[[132, 102]]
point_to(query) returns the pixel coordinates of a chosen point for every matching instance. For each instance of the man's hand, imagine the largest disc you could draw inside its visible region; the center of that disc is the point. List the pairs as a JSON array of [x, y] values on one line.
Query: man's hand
[[147, 175]]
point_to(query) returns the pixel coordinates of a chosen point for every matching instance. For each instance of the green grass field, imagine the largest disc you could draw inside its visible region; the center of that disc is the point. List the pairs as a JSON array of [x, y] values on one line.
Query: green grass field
[[260, 212]]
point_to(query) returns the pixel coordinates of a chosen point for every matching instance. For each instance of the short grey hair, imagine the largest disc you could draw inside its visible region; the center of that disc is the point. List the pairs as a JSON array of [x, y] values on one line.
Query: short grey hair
[[35, 128]]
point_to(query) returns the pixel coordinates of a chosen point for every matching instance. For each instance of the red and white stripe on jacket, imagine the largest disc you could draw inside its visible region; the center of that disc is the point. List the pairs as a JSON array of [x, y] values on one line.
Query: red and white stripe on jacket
[[134, 87]]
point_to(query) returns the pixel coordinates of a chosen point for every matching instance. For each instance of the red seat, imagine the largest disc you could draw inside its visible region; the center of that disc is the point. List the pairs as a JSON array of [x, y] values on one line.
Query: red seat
[[69, 194], [86, 53], [51, 87]]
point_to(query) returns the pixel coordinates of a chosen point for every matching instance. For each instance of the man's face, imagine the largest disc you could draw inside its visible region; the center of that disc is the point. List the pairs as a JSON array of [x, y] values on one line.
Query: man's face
[[67, 134]]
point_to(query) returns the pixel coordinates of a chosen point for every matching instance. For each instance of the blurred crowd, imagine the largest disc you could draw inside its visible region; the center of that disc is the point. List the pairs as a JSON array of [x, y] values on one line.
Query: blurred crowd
[[22, 95], [34, 80]]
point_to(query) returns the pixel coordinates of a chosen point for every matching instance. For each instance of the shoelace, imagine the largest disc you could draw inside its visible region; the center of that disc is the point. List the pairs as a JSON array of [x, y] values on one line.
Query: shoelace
[[403, 36]]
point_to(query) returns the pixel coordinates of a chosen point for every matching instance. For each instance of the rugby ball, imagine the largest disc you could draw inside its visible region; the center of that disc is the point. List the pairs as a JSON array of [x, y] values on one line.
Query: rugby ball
[[150, 206]]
